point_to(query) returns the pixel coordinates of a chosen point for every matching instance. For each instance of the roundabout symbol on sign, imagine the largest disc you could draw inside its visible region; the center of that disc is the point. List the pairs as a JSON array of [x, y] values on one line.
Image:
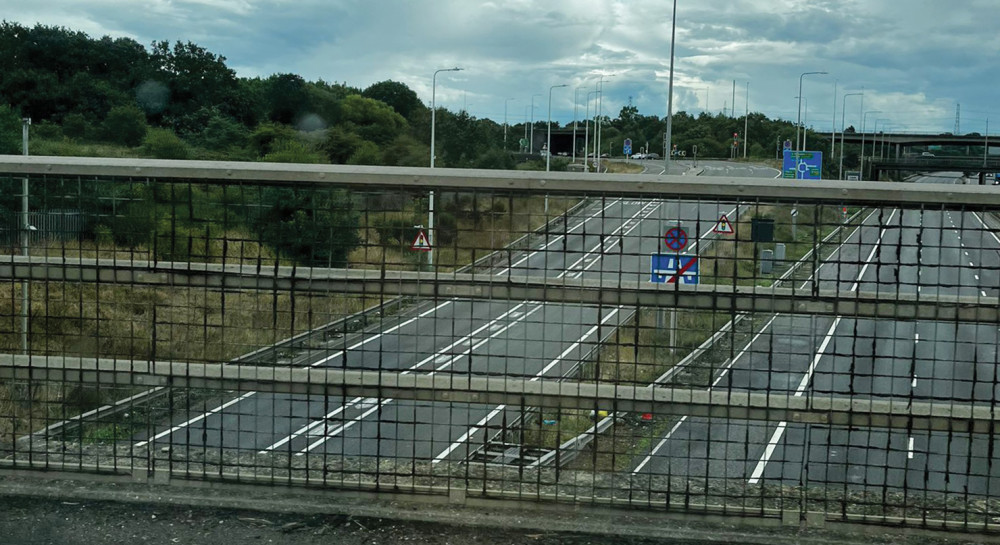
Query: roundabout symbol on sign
[[676, 239]]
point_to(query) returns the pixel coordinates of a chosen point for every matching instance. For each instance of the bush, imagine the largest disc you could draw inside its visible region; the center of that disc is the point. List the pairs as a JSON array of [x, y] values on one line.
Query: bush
[[293, 151], [47, 130], [445, 230], [366, 154], [125, 125], [75, 126], [395, 230], [164, 144]]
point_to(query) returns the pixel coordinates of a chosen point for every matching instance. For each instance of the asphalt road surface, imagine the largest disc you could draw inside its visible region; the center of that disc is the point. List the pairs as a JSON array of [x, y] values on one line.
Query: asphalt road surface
[[895, 251], [610, 239]]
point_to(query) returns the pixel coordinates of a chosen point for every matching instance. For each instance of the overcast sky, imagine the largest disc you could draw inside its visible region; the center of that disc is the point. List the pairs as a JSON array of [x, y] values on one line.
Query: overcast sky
[[916, 59]]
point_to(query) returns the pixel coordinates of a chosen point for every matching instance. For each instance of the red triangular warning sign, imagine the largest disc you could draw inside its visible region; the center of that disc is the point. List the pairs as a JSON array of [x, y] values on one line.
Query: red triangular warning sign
[[723, 227], [421, 244]]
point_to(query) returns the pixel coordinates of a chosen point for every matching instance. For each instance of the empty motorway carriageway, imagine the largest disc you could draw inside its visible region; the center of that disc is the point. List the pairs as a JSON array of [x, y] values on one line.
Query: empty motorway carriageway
[[731, 347]]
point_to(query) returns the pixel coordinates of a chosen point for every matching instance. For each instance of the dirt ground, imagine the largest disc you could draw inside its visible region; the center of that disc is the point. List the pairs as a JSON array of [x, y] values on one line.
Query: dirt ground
[[51, 512]]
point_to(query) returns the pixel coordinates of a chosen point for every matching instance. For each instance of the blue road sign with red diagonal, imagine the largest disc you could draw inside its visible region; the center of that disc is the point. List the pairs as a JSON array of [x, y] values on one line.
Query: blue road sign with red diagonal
[[676, 239], [671, 269]]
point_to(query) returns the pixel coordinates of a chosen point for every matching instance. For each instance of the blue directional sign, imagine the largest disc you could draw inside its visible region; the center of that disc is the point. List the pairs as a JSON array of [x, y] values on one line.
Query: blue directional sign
[[627, 148], [802, 165], [670, 269]]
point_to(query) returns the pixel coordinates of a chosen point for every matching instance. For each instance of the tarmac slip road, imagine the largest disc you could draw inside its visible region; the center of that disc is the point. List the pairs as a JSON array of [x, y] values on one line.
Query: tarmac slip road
[[610, 239], [897, 251]]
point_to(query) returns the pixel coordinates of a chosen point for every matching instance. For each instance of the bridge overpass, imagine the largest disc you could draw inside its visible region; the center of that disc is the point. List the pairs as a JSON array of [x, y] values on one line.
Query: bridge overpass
[[902, 145], [829, 359]]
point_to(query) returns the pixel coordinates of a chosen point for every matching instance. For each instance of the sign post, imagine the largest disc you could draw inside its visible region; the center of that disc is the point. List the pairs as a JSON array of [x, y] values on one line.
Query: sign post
[[420, 242]]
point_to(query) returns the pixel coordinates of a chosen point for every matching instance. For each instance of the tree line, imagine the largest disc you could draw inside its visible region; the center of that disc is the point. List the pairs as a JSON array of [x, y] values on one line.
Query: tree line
[[180, 101]]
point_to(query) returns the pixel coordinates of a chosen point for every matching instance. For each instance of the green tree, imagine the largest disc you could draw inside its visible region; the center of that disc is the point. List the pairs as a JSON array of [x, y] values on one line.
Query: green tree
[[315, 227], [10, 131], [370, 119], [125, 125], [286, 97], [397, 95]]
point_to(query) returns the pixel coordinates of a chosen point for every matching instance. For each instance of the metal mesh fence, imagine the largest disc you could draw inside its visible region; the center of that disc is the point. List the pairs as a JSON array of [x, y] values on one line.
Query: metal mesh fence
[[618, 343]]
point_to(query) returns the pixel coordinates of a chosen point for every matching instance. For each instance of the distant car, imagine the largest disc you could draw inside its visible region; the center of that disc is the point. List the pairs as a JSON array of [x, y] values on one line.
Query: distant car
[[927, 154], [639, 156], [652, 156], [605, 155]]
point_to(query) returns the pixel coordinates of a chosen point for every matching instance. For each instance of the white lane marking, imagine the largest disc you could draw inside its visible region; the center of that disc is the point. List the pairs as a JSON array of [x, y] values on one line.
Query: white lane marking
[[983, 292], [909, 448], [390, 330], [631, 224], [559, 238], [872, 254], [471, 430], [250, 394], [977, 276], [141, 444], [747, 347], [986, 228], [732, 361], [659, 445], [966, 253], [444, 361], [913, 383], [768, 451], [758, 470]]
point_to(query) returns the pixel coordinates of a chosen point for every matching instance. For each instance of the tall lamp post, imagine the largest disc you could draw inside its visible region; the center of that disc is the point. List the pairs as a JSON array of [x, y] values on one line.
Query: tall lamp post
[[798, 121], [505, 102], [864, 117], [25, 232], [531, 139], [576, 103], [881, 147], [597, 123], [430, 201], [548, 138], [586, 133], [669, 135], [843, 119], [746, 123]]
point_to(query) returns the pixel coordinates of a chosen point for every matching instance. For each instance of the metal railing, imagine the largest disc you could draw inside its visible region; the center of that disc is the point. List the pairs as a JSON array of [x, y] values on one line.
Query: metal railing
[[804, 353]]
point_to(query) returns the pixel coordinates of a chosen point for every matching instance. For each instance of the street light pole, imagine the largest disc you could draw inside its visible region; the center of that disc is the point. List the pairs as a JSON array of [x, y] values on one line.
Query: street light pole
[[597, 122], [833, 121], [576, 104], [586, 133], [531, 139], [746, 122], [798, 121], [505, 101], [843, 110], [25, 231], [430, 201], [668, 137], [881, 147], [548, 138], [864, 116]]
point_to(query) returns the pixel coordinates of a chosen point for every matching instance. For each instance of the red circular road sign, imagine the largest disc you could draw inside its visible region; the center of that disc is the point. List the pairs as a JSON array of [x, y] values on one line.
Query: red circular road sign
[[676, 239]]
